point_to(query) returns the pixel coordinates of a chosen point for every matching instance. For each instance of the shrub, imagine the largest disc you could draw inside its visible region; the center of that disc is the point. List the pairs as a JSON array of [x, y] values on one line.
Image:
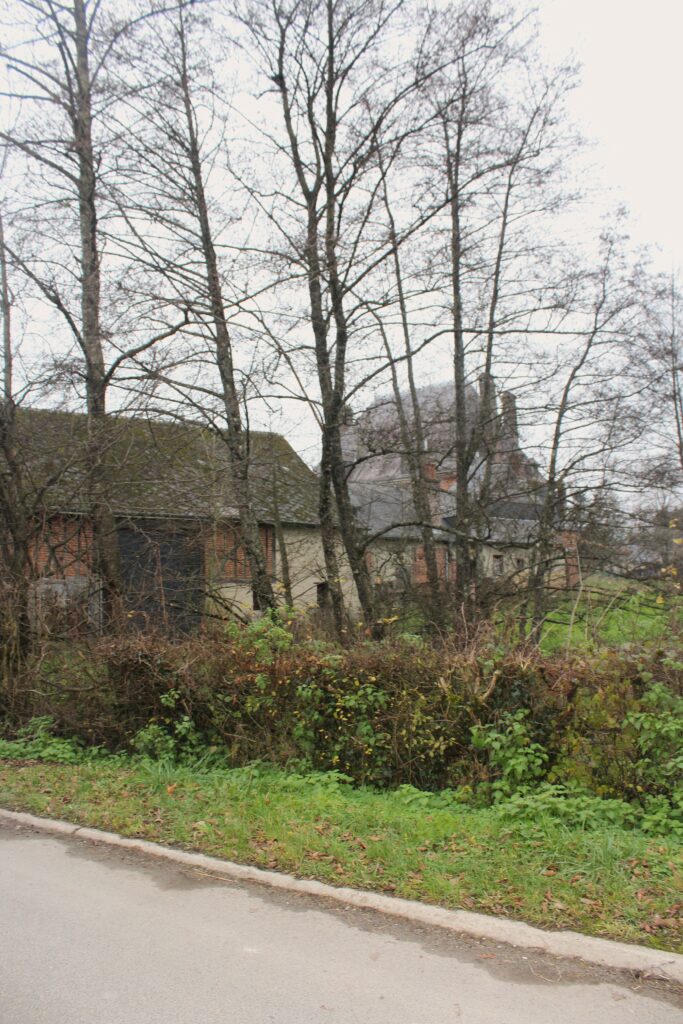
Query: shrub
[[36, 742], [517, 761], [477, 725]]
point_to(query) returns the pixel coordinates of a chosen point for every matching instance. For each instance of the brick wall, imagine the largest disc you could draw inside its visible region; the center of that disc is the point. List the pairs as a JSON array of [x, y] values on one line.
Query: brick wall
[[226, 558], [419, 574], [63, 547]]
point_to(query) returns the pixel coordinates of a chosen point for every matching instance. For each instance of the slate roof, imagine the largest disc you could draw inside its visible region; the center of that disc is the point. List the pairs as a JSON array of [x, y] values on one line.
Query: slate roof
[[379, 480], [375, 435], [160, 468], [386, 511]]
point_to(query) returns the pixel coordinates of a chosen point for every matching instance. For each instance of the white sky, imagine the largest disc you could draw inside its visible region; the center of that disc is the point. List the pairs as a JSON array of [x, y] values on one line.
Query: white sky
[[630, 103]]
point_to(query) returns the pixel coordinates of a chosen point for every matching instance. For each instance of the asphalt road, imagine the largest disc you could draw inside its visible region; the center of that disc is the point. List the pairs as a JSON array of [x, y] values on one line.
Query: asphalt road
[[92, 936]]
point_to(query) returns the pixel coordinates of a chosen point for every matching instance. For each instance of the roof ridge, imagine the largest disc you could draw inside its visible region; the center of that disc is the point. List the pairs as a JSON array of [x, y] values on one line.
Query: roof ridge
[[141, 418]]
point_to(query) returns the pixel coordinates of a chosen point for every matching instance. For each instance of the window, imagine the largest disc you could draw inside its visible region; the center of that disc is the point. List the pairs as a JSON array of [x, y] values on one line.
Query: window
[[498, 565]]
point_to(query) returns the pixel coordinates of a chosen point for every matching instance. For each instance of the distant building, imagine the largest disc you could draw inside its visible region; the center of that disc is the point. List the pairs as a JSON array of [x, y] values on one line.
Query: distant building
[[507, 487]]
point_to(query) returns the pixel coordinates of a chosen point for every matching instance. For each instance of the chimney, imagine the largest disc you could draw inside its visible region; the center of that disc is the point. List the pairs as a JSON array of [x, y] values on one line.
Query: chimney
[[509, 425], [488, 410], [346, 415], [349, 435], [487, 394]]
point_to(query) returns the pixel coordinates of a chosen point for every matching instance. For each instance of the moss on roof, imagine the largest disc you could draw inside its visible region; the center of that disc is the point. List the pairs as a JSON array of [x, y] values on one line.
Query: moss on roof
[[160, 468]]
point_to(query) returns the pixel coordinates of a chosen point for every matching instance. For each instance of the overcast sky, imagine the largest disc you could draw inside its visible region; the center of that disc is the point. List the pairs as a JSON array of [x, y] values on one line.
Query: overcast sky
[[630, 102]]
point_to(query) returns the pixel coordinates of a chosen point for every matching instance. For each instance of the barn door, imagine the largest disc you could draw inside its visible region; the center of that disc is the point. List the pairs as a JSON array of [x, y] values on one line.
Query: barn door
[[162, 571]]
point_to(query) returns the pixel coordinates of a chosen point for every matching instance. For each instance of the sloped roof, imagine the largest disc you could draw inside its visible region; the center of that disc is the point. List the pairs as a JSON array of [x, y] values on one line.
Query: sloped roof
[[385, 511], [379, 474], [161, 468], [375, 435]]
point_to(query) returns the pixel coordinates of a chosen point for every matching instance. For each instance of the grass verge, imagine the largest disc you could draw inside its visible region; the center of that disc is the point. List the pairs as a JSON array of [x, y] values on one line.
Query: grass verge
[[612, 613], [607, 882]]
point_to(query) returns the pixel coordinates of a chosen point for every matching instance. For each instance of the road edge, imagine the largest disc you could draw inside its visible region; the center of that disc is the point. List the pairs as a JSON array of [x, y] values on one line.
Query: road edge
[[621, 956]]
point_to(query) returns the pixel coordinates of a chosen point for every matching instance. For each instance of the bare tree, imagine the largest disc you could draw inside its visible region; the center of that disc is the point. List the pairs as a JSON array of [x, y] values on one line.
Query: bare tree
[[65, 145], [177, 116], [587, 406], [341, 86], [656, 376], [14, 544], [483, 166], [495, 154], [23, 507]]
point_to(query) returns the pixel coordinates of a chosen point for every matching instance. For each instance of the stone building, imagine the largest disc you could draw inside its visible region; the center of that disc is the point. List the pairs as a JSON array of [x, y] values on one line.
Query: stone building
[[507, 488]]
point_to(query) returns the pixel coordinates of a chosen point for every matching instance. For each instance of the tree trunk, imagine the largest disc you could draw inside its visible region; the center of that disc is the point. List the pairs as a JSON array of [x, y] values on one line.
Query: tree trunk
[[329, 534], [463, 566], [234, 435], [413, 438], [15, 631], [281, 541], [105, 561]]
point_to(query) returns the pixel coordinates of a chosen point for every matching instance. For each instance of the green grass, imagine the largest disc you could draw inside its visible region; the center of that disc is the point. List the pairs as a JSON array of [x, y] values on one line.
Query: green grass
[[609, 882], [610, 612]]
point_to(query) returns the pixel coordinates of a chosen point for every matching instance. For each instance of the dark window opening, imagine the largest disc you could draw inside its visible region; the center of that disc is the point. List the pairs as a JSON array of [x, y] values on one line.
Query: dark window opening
[[162, 575]]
